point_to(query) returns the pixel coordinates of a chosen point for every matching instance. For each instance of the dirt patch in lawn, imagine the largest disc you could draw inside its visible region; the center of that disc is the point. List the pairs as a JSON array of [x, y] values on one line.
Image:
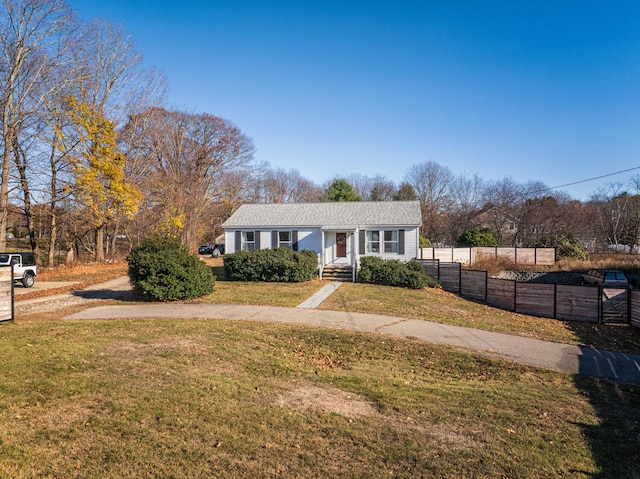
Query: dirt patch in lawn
[[353, 406], [327, 399]]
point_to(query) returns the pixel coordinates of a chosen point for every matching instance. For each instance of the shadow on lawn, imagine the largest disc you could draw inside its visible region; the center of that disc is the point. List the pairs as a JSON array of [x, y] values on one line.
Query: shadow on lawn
[[615, 439]]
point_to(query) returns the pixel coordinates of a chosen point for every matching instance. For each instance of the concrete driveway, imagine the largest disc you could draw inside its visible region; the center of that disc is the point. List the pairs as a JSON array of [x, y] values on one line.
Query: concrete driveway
[[555, 356]]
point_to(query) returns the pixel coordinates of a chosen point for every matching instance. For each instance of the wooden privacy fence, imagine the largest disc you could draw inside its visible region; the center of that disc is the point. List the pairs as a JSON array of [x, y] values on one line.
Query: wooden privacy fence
[[559, 301], [528, 256], [634, 308]]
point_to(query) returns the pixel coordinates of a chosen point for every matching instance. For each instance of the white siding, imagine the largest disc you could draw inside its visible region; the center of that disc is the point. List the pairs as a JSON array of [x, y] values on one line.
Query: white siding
[[309, 239], [230, 241], [411, 250], [265, 239], [410, 246]]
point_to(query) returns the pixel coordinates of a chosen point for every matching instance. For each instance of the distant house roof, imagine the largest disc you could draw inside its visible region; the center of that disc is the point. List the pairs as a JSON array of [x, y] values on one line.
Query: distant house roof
[[340, 215]]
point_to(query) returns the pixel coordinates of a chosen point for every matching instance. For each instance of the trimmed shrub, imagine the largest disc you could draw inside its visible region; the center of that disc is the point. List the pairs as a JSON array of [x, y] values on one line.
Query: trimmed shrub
[[479, 237], [161, 269], [568, 246], [278, 265], [376, 270], [424, 242]]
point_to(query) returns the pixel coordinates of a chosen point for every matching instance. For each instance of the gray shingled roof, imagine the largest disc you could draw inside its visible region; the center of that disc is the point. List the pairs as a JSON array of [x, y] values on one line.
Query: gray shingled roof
[[345, 215]]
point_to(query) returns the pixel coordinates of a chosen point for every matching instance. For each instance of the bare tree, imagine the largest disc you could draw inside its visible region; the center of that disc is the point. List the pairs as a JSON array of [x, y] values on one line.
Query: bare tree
[[382, 189], [287, 186], [611, 207], [634, 183], [499, 210], [31, 33], [467, 193], [189, 158], [371, 188], [433, 185], [111, 75]]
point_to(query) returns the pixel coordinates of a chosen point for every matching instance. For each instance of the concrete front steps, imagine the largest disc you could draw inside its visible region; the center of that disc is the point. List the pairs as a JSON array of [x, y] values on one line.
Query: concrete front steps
[[334, 272]]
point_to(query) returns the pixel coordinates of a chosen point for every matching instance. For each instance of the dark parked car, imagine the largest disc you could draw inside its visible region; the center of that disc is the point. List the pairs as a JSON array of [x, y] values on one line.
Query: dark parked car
[[205, 249], [607, 278]]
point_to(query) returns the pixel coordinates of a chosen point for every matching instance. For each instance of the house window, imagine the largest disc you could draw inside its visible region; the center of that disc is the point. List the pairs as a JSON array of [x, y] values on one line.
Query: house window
[[372, 241], [391, 241], [285, 239], [248, 240]]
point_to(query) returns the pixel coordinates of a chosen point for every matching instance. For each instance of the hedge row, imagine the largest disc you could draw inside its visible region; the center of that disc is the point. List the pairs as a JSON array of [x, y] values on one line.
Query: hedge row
[[376, 270], [281, 264]]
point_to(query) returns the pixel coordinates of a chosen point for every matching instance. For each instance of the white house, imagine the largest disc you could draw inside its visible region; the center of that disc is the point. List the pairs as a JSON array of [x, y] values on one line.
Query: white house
[[340, 233]]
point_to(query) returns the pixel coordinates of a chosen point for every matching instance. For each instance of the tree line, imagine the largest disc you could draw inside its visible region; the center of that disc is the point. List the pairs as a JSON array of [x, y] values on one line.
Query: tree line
[[526, 214], [90, 154]]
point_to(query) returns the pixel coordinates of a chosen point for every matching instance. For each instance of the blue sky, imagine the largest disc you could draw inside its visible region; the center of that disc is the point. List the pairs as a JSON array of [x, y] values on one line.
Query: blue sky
[[542, 90]]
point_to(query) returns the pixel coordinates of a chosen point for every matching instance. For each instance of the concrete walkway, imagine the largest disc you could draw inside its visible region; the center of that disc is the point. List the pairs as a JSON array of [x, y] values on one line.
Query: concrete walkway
[[555, 356], [315, 300]]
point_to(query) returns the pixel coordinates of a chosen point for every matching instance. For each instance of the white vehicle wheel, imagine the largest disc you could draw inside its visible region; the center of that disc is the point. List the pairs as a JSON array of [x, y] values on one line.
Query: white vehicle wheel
[[28, 280]]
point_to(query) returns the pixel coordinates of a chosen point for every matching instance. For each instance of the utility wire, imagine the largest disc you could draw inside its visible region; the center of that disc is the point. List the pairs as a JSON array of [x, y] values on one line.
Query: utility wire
[[588, 179]]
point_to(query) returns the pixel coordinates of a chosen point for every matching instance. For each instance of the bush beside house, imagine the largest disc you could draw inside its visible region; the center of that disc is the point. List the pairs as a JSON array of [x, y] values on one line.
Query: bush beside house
[[273, 265], [376, 270], [161, 269]]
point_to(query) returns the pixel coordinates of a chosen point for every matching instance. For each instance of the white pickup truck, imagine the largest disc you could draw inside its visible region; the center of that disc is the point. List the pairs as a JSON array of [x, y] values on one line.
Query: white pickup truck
[[24, 267]]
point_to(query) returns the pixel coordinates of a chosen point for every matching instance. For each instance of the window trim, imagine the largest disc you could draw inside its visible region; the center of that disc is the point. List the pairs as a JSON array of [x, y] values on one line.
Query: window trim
[[367, 243], [244, 244], [391, 242], [370, 243], [285, 244]]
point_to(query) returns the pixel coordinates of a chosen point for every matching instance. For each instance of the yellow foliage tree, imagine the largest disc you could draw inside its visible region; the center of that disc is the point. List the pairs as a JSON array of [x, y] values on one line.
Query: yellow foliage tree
[[100, 184]]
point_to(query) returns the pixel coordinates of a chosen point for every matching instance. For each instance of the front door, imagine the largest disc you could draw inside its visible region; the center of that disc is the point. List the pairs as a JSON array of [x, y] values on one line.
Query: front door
[[341, 245]]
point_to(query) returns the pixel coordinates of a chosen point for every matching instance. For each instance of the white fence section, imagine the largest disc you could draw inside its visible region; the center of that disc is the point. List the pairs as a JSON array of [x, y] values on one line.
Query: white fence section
[[529, 256]]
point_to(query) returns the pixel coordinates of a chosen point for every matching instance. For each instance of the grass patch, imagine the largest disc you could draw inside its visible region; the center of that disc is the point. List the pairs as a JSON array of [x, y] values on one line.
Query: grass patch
[[258, 293], [189, 398]]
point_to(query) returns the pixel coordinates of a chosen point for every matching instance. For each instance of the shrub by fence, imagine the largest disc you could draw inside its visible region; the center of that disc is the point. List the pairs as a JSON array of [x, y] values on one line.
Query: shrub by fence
[[528, 256], [376, 270], [558, 301]]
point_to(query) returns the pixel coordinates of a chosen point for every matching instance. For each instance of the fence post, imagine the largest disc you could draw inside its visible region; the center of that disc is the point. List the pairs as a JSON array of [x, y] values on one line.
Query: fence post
[[486, 286], [555, 300], [599, 303]]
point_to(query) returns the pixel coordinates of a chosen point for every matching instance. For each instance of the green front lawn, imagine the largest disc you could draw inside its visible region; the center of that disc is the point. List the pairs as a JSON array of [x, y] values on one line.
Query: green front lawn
[[204, 399]]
